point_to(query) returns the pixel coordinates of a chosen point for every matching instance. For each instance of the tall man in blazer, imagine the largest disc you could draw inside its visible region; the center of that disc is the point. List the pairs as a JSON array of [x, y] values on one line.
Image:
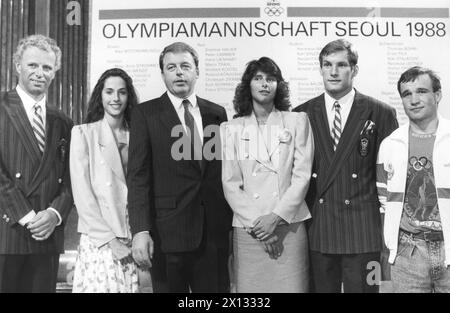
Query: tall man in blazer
[[179, 200], [35, 197], [345, 231]]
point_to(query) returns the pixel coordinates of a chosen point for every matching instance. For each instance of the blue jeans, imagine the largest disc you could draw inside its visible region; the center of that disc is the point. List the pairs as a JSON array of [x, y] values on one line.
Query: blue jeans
[[419, 266]]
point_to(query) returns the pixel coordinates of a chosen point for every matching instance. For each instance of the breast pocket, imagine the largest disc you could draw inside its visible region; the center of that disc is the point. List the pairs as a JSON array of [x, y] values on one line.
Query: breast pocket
[[165, 202], [165, 207]]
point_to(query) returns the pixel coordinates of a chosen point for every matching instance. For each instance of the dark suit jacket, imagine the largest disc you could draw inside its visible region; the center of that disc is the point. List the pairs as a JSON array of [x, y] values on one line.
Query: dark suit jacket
[[29, 181], [343, 195], [178, 198]]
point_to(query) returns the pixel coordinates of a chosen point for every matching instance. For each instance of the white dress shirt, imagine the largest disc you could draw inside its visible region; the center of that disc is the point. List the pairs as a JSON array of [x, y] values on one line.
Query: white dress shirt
[[28, 104], [345, 102], [193, 109]]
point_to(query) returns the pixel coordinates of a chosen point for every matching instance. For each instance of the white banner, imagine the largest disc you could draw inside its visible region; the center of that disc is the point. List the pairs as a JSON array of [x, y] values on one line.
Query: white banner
[[390, 37]]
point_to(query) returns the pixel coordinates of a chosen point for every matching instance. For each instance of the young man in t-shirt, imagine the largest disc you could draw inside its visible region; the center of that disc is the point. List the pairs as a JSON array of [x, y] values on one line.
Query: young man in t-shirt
[[413, 180]]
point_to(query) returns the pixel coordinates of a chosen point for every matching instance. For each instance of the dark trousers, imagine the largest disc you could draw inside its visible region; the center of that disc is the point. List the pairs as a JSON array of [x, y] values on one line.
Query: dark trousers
[[158, 270], [204, 270], [329, 271], [30, 273]]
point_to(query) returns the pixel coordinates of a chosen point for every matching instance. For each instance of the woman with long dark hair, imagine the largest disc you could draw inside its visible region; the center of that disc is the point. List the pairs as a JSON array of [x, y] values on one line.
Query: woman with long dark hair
[[98, 163], [268, 154]]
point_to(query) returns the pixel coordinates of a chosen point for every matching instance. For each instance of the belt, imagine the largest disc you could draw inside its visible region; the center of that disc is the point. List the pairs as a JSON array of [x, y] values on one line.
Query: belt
[[425, 235]]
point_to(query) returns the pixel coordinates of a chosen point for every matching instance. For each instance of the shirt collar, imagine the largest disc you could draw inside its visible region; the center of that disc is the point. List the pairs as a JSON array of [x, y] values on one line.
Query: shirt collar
[[345, 102], [124, 137], [178, 102], [28, 101]]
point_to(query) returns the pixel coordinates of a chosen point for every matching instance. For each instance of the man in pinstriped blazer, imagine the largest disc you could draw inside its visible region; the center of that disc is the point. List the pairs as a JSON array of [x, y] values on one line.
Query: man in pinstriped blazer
[[35, 197], [348, 127]]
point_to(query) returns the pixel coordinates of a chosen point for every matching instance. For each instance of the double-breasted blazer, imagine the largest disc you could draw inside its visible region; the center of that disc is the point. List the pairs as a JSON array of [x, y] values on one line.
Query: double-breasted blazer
[[180, 199], [30, 180], [268, 171], [98, 183], [343, 195]]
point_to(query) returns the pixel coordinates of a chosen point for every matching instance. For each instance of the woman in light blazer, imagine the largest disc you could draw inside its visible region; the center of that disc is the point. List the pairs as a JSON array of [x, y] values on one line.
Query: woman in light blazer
[[98, 162], [267, 160]]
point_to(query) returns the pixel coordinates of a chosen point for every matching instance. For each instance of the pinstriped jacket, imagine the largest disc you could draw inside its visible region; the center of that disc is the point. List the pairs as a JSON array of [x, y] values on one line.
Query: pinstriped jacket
[[29, 181], [342, 196], [392, 166]]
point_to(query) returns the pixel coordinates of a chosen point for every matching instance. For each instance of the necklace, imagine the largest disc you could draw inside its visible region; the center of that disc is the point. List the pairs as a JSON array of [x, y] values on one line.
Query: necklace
[[261, 121], [416, 135]]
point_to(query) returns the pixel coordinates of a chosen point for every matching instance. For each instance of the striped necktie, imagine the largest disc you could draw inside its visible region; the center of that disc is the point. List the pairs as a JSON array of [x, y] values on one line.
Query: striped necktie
[[194, 135], [337, 125], [38, 127]]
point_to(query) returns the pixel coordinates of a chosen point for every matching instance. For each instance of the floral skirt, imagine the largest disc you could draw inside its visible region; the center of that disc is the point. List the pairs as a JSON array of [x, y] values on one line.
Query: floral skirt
[[96, 271]]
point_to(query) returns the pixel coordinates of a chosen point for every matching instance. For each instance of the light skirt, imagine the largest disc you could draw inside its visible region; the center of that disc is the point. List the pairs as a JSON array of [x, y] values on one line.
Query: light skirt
[[96, 271], [255, 271]]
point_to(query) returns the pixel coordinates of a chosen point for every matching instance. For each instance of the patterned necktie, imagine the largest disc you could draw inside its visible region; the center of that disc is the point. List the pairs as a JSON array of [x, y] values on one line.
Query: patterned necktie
[[38, 127], [337, 125], [196, 144]]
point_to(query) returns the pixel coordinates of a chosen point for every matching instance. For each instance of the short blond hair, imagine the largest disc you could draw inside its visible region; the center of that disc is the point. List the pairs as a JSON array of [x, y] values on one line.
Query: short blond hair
[[39, 41]]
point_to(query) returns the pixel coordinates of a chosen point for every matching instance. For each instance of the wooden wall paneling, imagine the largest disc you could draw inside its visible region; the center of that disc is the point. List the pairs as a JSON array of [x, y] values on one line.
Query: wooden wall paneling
[[7, 44], [70, 83], [15, 24], [76, 73], [3, 68], [67, 55], [85, 41], [54, 90]]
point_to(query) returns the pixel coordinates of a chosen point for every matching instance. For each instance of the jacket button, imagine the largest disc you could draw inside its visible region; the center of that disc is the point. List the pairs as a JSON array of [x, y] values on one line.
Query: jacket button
[[314, 175], [354, 176], [5, 216], [347, 202], [321, 201], [246, 155], [60, 180], [7, 220], [256, 196], [18, 175]]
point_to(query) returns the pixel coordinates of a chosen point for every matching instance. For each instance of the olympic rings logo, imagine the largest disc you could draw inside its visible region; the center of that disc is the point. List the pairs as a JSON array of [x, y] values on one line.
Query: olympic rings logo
[[274, 11], [420, 163]]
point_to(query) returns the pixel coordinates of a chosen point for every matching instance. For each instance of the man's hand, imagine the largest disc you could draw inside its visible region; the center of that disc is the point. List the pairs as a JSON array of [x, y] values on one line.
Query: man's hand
[[43, 225], [120, 251], [265, 225], [142, 250]]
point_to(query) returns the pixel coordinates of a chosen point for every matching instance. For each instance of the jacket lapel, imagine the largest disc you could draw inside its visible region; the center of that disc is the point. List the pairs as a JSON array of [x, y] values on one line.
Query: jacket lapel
[[168, 115], [358, 115], [169, 118], [320, 126], [109, 150], [52, 138], [274, 127], [208, 118], [19, 119], [253, 142]]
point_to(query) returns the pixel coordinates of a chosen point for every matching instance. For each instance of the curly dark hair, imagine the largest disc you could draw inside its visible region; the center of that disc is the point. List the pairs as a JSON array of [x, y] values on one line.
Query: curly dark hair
[[96, 111], [243, 102]]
